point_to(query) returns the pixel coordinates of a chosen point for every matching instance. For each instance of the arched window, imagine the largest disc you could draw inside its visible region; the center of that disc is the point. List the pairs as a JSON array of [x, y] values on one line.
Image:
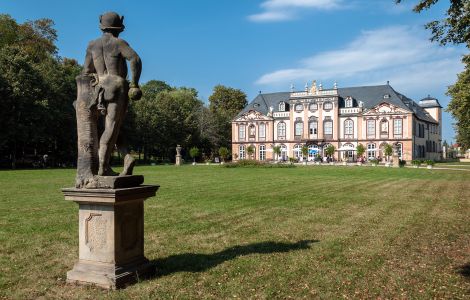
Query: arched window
[[349, 154], [384, 127], [349, 102], [328, 128], [281, 130], [313, 107], [262, 152], [400, 150], [298, 151], [299, 128], [348, 129], [299, 107], [282, 106], [312, 152], [241, 132], [371, 151], [252, 131], [262, 131], [328, 105], [313, 128], [241, 151], [283, 152]]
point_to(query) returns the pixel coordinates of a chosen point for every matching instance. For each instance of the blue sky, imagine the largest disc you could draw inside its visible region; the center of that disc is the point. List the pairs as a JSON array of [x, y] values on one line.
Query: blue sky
[[266, 45]]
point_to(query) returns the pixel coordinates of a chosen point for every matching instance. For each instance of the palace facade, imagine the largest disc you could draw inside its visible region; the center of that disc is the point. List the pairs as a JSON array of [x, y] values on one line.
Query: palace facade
[[343, 117]]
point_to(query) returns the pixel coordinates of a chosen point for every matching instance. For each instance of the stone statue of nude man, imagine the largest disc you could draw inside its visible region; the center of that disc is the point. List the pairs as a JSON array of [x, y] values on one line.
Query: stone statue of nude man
[[103, 89]]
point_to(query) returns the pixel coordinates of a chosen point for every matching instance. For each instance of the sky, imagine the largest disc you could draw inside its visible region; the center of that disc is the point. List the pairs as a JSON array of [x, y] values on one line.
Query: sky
[[267, 45]]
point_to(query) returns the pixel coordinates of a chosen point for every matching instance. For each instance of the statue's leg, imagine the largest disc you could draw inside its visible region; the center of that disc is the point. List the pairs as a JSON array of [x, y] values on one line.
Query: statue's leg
[[108, 139], [121, 145]]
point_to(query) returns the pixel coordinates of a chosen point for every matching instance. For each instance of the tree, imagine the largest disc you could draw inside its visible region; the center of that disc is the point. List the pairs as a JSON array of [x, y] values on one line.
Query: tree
[[360, 150], [455, 28], [250, 150], [38, 89], [224, 104], [277, 151], [223, 152], [459, 105], [388, 151], [304, 152], [194, 152], [330, 150]]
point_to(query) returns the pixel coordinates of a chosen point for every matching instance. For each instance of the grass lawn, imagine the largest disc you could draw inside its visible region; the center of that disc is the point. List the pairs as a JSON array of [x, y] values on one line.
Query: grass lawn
[[314, 232]]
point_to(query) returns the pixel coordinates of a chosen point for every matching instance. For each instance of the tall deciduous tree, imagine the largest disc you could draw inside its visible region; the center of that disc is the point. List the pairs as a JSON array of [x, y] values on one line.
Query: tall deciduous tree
[[224, 104], [454, 29]]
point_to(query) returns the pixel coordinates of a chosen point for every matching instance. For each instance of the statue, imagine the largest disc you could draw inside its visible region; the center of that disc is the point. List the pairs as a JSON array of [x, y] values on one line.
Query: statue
[[102, 89], [178, 155]]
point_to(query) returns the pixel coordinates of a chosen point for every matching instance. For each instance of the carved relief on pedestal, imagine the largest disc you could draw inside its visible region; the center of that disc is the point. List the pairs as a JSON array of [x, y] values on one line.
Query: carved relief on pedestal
[[95, 231]]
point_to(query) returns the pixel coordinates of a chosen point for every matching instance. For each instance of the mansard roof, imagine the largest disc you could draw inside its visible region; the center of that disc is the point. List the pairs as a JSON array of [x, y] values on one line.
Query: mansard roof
[[370, 96]]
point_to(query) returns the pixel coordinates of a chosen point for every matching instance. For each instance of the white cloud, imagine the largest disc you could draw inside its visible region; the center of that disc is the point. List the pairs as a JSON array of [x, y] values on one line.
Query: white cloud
[[400, 54], [282, 10]]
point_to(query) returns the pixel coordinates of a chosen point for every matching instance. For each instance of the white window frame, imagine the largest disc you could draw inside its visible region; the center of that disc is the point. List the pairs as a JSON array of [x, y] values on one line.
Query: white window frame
[[298, 125], [281, 129], [397, 126], [241, 152], [348, 127], [371, 150], [262, 152], [329, 128], [241, 132], [282, 106], [262, 131], [330, 105], [370, 130]]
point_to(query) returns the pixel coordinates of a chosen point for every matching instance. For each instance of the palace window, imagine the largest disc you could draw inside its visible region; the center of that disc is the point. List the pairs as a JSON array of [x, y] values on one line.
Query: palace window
[[298, 151], [283, 152], [400, 150], [349, 102], [299, 107], [312, 152], [371, 151], [313, 128], [282, 106], [313, 107], [281, 130], [328, 128], [397, 126], [299, 128], [327, 106], [241, 151], [262, 152], [262, 131], [348, 128], [371, 128], [252, 131], [241, 132]]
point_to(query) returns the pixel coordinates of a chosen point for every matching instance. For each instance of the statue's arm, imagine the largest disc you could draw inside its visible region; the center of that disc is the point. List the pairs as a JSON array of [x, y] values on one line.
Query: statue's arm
[[88, 65], [135, 62]]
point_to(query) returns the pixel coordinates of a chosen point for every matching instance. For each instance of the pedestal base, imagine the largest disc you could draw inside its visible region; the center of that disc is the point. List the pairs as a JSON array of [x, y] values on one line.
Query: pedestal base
[[110, 276], [111, 236]]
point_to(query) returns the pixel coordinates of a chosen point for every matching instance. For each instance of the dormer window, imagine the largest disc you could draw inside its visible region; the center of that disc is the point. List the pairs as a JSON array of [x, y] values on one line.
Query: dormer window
[[313, 107], [349, 102], [386, 96], [282, 106], [299, 107]]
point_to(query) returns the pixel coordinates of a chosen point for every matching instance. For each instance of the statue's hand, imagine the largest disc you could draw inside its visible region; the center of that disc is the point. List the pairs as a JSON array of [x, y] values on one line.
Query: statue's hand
[[135, 93]]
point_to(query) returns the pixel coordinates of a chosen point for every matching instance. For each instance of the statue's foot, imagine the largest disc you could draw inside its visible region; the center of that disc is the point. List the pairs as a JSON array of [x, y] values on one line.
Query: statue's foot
[[129, 163], [87, 182], [107, 172]]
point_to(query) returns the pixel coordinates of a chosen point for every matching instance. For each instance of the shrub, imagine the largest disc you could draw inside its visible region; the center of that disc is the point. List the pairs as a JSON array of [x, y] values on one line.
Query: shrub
[[416, 162], [388, 150], [402, 163], [429, 162], [360, 150], [194, 152], [330, 150], [374, 161], [249, 163], [223, 152]]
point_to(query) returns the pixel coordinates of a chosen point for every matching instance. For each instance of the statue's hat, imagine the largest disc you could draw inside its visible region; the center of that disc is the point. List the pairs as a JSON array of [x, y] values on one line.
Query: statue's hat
[[111, 20]]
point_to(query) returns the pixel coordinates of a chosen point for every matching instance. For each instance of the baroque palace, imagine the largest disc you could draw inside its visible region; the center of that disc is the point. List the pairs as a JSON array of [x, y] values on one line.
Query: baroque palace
[[343, 117]]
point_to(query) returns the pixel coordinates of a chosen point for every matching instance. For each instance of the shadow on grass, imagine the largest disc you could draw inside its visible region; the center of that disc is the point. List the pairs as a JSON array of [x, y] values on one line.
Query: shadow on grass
[[464, 270], [193, 262]]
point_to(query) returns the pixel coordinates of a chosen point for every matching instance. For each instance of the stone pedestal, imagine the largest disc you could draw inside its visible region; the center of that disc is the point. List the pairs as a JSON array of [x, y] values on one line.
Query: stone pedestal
[[178, 160], [111, 235]]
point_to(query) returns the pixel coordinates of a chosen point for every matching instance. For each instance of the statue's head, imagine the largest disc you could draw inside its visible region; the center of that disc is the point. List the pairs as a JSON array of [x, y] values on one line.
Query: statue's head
[[111, 22]]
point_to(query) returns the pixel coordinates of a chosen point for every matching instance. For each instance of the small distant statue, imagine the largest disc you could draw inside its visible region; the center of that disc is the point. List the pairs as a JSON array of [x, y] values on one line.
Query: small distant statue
[[102, 89]]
